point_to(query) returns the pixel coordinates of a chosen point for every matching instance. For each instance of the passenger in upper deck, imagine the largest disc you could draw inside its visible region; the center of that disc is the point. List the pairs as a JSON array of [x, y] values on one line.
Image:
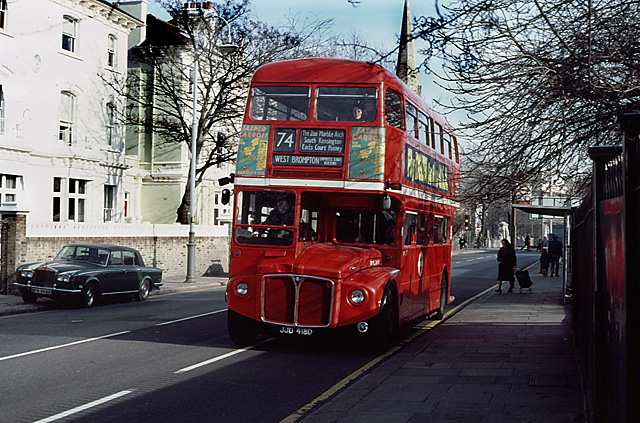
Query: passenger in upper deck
[[359, 115], [282, 214]]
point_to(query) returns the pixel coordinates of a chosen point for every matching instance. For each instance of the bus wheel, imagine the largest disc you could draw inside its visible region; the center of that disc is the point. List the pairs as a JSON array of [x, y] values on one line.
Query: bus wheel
[[384, 328], [443, 298], [241, 329]]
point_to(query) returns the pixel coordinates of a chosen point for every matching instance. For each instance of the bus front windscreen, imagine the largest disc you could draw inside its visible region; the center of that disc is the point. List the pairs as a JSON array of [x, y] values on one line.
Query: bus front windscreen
[[280, 102], [265, 217], [347, 104]]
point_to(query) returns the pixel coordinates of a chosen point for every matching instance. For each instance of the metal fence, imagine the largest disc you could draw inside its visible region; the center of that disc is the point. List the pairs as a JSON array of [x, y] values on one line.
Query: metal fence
[[606, 236]]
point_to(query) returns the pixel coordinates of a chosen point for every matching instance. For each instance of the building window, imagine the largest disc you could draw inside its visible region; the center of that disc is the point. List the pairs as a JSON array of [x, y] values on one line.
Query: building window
[[111, 51], [8, 188], [77, 200], [3, 14], [72, 193], [126, 205], [57, 193], [110, 123], [1, 109], [109, 202], [69, 28], [67, 105]]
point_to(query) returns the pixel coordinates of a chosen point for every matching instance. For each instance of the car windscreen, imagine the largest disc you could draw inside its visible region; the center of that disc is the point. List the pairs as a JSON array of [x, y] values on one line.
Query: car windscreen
[[84, 253]]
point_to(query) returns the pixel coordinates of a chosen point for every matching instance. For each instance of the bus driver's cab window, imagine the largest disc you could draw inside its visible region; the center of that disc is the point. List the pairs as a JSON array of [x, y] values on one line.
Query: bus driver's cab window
[[265, 217]]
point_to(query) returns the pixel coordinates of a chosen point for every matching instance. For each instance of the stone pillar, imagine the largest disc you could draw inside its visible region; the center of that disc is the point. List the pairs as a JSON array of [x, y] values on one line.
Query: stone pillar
[[13, 239]]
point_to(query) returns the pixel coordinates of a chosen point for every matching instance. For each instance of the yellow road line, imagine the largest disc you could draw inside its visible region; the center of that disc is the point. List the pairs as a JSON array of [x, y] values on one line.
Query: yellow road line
[[344, 382]]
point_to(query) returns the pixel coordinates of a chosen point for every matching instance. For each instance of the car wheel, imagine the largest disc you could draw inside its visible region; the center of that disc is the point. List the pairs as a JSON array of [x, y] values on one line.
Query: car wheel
[[443, 298], [89, 295], [29, 297], [143, 290], [241, 329], [384, 327]]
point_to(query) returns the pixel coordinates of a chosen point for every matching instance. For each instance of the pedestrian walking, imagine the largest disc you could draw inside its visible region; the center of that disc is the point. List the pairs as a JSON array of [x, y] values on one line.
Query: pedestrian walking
[[507, 263], [527, 243], [544, 262], [555, 252]]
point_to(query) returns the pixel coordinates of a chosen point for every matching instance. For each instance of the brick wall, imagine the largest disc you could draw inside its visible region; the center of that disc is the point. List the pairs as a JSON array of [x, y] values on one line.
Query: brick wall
[[166, 253]]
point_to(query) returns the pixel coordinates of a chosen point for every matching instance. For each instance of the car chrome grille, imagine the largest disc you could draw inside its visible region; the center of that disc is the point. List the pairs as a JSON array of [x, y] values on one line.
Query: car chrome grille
[[297, 300], [44, 277]]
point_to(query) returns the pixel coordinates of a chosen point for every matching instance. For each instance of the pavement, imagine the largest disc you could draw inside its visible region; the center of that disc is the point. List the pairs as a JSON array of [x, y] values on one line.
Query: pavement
[[496, 358], [13, 304]]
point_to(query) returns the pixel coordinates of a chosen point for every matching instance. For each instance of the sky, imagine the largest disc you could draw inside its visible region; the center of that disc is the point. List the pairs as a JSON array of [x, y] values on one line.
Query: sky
[[376, 22]]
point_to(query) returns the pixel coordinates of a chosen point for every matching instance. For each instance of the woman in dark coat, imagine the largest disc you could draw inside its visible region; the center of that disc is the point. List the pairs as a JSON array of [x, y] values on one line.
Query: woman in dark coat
[[507, 263]]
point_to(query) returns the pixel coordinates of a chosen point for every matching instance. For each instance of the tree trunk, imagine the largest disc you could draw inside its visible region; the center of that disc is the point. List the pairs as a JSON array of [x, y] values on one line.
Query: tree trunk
[[182, 213]]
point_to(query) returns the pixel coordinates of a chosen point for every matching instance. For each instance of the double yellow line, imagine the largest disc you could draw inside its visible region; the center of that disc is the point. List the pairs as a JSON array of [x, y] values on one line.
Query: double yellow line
[[420, 328]]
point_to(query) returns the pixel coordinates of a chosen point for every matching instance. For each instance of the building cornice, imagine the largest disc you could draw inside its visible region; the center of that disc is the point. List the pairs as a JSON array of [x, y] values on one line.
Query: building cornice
[[111, 12]]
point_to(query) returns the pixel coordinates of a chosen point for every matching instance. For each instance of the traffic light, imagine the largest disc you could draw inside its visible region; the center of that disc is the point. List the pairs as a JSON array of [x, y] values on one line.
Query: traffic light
[[226, 180], [467, 219]]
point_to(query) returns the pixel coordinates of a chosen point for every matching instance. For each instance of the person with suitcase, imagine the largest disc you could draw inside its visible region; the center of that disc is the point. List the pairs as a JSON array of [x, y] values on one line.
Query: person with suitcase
[[507, 263]]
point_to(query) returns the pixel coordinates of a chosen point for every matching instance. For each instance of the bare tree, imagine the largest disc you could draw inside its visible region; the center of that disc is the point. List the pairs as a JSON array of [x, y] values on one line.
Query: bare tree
[[540, 83], [158, 88]]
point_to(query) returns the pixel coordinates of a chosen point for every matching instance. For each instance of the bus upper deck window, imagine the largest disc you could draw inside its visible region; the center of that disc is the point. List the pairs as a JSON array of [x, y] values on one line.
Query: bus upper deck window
[[411, 114], [347, 104], [393, 108], [280, 103]]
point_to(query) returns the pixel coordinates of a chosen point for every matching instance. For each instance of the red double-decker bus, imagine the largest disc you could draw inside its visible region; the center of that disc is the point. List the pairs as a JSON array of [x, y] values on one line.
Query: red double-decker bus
[[345, 188]]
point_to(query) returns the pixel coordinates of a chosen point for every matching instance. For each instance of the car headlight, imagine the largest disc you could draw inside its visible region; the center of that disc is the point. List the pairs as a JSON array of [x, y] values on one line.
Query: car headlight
[[26, 273], [242, 289], [64, 278], [357, 296]]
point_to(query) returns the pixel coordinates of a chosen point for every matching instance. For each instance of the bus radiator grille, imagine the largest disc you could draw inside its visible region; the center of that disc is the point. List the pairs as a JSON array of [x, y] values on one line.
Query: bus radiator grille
[[297, 300]]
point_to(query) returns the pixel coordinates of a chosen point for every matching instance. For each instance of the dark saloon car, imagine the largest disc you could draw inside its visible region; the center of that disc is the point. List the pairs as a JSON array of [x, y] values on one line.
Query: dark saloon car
[[87, 271]]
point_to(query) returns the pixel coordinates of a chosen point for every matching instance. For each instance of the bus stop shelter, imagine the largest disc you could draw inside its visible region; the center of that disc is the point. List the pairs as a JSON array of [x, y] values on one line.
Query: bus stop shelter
[[555, 211]]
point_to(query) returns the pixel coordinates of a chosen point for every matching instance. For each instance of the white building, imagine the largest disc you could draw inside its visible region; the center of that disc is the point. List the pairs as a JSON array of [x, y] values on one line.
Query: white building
[[62, 151]]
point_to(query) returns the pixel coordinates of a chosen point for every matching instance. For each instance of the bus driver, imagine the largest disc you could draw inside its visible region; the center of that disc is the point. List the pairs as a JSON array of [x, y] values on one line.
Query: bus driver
[[282, 214]]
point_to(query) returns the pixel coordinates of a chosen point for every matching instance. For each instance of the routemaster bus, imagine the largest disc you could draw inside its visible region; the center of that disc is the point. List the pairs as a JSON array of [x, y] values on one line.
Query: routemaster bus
[[345, 189]]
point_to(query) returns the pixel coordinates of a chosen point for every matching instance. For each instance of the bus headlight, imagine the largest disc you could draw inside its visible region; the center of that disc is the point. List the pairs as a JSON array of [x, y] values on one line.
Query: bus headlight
[[242, 289], [357, 296]]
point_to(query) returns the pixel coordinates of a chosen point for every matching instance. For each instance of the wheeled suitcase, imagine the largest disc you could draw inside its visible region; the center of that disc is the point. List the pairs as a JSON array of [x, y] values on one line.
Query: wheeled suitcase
[[524, 280]]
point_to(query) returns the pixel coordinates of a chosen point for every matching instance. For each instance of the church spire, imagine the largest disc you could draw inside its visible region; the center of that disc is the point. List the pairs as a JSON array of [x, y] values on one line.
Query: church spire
[[406, 69]]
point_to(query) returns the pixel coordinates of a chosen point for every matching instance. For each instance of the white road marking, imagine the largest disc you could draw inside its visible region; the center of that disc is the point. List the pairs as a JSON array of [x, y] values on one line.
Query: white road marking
[[191, 317], [55, 347], [84, 407], [221, 357]]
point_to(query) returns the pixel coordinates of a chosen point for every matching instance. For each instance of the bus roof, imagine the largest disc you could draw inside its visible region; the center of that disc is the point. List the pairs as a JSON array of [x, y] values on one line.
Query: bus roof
[[324, 70]]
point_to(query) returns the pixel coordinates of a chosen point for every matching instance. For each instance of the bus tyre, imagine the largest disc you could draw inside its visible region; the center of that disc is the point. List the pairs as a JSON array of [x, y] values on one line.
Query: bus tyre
[[241, 329], [443, 298], [384, 328]]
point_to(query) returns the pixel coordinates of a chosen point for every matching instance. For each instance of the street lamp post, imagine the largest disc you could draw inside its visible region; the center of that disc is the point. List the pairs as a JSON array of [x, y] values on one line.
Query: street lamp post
[[225, 48]]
